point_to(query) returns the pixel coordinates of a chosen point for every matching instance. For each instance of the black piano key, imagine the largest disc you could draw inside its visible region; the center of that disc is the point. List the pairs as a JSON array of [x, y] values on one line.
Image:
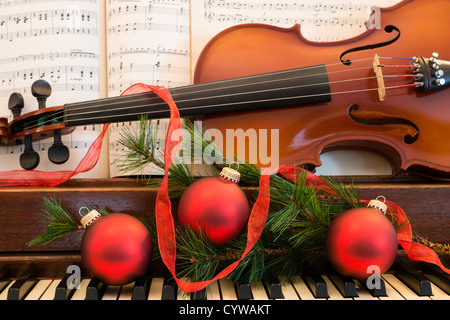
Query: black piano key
[[22, 285], [95, 289], [273, 287], [199, 295], [62, 292], [244, 291], [345, 285], [169, 291], [140, 288], [416, 281], [5, 278], [437, 276], [316, 284]]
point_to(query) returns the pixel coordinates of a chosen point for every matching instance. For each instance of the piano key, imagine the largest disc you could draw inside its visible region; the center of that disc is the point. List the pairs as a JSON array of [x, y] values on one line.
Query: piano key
[[49, 294], [80, 293], [244, 291], [62, 292], [5, 278], [391, 293], [258, 291], [415, 280], [302, 289], [4, 293], [39, 289], [140, 288], [437, 276], [316, 284], [156, 289], [182, 295], [363, 293], [227, 289], [403, 289], [288, 291], [95, 289], [378, 291], [213, 291], [333, 292], [111, 293], [273, 286], [170, 290], [199, 295], [126, 292], [22, 285], [345, 285]]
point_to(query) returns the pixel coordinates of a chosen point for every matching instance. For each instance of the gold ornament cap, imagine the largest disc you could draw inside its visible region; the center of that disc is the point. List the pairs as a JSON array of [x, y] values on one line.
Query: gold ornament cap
[[377, 204], [89, 218], [230, 174]]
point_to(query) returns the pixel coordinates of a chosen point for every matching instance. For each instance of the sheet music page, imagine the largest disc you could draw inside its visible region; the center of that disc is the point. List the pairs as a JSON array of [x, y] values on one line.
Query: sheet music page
[[325, 20], [58, 41], [148, 42]]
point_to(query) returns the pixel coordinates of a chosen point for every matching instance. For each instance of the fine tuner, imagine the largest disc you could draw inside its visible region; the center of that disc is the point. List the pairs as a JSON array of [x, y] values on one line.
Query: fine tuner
[[58, 153]]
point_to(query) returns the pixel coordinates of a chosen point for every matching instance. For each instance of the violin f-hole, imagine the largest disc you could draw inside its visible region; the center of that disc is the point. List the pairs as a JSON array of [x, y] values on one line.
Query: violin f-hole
[[408, 139], [387, 29]]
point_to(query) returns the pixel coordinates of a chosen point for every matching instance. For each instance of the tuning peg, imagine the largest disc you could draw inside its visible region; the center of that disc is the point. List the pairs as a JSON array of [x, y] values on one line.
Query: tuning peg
[[58, 153], [29, 159], [15, 104], [41, 89]]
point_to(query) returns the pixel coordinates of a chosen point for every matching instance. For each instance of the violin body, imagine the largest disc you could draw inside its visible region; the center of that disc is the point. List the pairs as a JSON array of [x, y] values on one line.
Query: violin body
[[409, 127]]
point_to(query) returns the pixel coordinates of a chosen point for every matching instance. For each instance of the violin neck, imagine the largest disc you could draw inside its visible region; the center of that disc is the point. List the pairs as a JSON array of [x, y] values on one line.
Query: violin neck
[[293, 87]]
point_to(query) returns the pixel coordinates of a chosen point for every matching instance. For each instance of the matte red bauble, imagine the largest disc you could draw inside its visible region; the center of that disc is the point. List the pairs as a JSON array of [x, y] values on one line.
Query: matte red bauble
[[359, 238], [116, 248], [217, 205]]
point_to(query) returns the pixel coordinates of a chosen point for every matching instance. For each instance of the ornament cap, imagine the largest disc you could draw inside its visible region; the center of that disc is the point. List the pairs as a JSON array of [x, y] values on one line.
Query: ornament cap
[[89, 218], [230, 174], [377, 204]]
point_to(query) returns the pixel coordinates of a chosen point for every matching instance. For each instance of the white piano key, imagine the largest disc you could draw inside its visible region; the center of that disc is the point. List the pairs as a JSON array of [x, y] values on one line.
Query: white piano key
[[258, 291], [156, 288], [362, 292], [39, 289], [111, 293], [212, 291], [288, 290], [80, 293], [4, 294], [181, 295], [49, 294], [333, 292], [438, 294], [302, 289], [407, 293], [227, 289], [126, 293]]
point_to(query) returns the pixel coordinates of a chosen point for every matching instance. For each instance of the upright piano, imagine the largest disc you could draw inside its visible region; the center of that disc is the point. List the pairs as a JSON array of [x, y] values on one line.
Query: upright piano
[[40, 272]]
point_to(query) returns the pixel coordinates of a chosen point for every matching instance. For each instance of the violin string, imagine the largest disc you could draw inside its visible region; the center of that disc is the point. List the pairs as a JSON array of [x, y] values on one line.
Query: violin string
[[294, 78], [230, 104]]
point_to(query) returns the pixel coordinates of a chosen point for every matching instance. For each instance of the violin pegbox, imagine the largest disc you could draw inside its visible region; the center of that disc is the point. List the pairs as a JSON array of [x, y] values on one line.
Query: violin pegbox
[[58, 153], [431, 74]]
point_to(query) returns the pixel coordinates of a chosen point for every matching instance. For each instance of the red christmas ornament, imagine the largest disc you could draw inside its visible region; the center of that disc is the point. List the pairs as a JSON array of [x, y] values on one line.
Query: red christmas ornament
[[116, 248], [217, 205], [359, 238]]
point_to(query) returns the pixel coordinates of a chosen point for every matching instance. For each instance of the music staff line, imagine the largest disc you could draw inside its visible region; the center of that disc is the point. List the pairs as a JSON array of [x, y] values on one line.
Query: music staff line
[[13, 3], [149, 9], [52, 55], [48, 22]]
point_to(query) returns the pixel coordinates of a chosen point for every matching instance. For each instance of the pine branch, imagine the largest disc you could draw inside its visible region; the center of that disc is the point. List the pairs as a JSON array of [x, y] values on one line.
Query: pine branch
[[60, 223]]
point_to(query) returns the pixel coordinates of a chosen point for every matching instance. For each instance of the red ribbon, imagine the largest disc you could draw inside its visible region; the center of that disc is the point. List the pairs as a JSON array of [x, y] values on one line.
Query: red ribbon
[[163, 208]]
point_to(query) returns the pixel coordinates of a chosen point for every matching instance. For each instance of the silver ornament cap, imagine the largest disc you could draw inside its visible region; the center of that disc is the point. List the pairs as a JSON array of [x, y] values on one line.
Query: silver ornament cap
[[230, 174], [89, 218], [377, 204]]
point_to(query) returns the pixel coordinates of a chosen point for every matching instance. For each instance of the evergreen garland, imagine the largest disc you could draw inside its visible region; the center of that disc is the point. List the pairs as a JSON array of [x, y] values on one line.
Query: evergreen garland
[[293, 237]]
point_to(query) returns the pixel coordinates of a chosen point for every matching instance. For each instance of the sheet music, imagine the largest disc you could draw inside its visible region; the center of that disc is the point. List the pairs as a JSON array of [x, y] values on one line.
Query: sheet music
[[148, 42], [325, 20], [57, 41]]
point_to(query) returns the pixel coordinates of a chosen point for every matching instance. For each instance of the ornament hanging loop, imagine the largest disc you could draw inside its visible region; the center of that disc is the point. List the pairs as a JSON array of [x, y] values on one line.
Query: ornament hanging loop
[[379, 205]]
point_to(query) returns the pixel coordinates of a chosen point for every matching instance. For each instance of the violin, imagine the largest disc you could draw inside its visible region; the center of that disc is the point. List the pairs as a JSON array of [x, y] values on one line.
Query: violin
[[384, 90]]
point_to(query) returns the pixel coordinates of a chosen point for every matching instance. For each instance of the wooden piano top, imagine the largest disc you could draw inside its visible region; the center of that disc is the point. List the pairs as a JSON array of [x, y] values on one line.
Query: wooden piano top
[[425, 203]]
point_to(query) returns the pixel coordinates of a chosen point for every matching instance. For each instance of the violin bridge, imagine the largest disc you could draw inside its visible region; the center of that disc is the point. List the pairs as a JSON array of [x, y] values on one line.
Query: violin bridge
[[380, 81]]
